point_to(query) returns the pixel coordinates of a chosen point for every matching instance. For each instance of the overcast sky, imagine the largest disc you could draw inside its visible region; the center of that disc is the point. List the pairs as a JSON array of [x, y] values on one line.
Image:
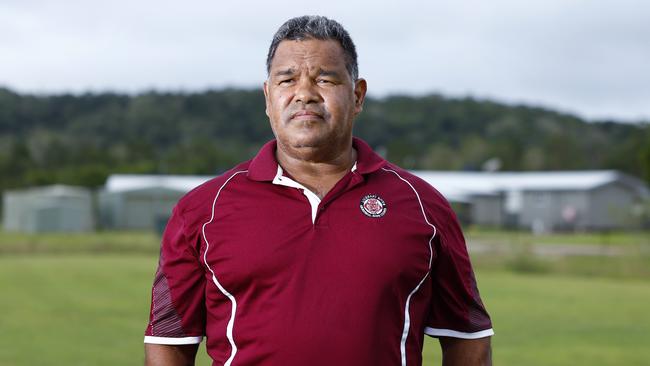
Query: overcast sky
[[591, 58]]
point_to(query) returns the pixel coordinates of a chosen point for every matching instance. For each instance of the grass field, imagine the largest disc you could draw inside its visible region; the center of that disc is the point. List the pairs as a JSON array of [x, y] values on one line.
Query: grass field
[[85, 309], [613, 238], [146, 242], [66, 243]]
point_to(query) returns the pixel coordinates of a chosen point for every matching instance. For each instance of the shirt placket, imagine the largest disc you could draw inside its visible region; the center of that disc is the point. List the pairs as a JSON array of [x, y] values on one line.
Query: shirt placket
[[313, 199]]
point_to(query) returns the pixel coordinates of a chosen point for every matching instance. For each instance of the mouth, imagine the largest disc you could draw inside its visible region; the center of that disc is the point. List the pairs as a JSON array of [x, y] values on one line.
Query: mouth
[[306, 115]]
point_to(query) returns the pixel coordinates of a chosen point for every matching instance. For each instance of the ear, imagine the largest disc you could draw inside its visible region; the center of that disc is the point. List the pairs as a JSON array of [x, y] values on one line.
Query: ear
[[360, 88], [266, 97]]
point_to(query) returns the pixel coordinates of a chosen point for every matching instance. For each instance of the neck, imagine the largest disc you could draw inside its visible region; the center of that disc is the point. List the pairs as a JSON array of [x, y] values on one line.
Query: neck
[[319, 175]]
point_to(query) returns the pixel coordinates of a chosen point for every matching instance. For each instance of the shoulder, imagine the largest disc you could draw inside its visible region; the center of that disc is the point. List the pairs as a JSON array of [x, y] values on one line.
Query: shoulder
[[433, 202], [199, 200], [421, 187]]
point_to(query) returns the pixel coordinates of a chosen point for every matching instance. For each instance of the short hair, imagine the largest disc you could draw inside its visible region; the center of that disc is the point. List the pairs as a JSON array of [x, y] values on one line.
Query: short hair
[[316, 27]]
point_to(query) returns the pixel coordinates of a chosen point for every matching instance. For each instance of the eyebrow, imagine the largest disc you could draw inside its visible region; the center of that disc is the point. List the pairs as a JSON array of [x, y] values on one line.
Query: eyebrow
[[292, 71], [328, 73], [285, 72]]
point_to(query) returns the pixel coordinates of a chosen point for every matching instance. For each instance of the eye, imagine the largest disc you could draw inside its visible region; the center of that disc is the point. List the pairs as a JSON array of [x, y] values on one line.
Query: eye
[[324, 81], [285, 81]]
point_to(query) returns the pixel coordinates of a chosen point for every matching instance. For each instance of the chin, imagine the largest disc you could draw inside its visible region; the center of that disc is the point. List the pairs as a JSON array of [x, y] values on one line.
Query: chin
[[308, 141]]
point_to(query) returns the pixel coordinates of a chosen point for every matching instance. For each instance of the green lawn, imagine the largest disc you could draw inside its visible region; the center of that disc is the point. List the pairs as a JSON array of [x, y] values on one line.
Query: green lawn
[[147, 242], [94, 242], [92, 309], [613, 238]]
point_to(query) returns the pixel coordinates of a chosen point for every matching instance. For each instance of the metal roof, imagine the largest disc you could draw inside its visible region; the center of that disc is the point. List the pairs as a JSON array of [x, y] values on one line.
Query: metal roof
[[132, 182], [459, 186], [455, 186], [56, 190]]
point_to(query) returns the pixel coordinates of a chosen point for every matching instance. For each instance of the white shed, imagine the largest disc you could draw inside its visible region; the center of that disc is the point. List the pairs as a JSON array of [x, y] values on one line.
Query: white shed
[[56, 208], [546, 201], [136, 202]]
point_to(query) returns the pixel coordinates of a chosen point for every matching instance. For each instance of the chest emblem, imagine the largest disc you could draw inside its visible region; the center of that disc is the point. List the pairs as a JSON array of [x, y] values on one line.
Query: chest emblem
[[373, 206]]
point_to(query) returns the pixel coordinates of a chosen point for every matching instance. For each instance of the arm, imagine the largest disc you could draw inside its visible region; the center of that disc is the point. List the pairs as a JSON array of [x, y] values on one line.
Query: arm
[[177, 313], [457, 316], [466, 352], [166, 355]]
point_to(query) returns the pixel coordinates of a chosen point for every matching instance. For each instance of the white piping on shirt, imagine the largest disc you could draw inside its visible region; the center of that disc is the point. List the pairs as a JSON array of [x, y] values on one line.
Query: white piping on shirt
[[231, 321], [173, 340], [407, 316], [438, 332]]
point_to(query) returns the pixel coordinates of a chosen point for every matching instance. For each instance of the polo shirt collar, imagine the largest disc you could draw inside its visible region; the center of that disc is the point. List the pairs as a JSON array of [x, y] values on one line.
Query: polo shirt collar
[[264, 165], [367, 160]]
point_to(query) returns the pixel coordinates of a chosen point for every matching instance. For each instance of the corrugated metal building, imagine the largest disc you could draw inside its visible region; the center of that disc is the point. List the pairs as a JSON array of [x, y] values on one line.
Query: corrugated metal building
[[56, 208], [546, 201], [541, 201], [136, 202]]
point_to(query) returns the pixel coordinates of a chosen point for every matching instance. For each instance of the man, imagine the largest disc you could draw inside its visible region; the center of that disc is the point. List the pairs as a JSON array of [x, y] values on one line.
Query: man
[[317, 251]]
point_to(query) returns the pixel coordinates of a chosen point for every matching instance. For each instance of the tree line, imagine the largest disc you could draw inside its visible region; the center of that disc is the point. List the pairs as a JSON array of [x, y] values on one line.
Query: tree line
[[81, 139]]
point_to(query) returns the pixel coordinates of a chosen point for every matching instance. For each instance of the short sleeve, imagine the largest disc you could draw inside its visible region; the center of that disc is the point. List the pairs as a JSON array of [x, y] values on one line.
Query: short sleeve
[[456, 306], [177, 314]]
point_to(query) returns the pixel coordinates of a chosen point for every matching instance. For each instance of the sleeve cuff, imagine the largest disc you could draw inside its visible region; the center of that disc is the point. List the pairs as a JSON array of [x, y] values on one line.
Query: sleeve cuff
[[173, 340], [437, 332]]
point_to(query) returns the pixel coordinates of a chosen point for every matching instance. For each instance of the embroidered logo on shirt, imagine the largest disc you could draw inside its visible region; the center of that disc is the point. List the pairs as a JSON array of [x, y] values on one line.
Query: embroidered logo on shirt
[[373, 206]]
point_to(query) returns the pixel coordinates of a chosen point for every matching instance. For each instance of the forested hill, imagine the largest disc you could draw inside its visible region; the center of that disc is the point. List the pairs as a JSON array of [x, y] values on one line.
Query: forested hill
[[80, 139]]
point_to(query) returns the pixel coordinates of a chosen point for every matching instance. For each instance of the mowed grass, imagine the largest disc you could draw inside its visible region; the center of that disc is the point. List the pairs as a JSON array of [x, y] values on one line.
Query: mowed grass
[[147, 242], [605, 238], [142, 242], [92, 310], [73, 309]]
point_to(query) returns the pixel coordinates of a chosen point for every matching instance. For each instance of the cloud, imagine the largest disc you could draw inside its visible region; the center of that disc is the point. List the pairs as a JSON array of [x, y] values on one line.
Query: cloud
[[581, 56]]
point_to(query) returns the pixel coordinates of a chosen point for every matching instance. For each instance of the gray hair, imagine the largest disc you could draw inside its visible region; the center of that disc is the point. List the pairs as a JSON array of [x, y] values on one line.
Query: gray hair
[[317, 27]]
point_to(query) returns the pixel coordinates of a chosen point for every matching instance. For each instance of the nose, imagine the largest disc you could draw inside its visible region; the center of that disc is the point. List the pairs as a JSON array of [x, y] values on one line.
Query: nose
[[306, 91]]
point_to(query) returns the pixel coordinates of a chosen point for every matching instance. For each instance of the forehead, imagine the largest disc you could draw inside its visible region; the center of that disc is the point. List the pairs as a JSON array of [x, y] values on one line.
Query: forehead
[[308, 53]]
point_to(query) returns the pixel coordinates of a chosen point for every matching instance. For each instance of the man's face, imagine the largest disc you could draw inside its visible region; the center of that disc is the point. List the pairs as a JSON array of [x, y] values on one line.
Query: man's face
[[311, 99]]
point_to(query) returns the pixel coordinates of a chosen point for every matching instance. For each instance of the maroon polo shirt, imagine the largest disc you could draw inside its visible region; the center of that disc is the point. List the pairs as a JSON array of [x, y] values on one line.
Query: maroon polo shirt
[[272, 275]]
